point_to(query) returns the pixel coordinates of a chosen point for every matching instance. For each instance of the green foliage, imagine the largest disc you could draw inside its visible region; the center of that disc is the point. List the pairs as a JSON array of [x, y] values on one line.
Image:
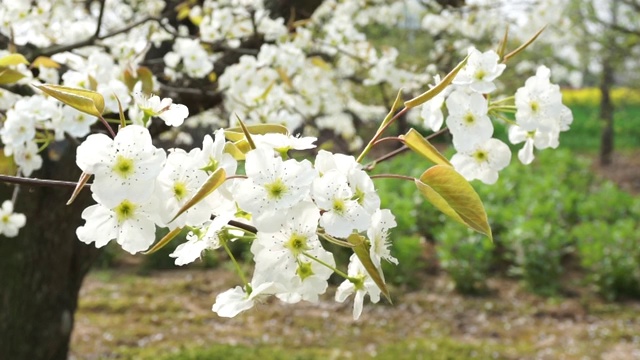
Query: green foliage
[[541, 215], [408, 250], [611, 255], [466, 256]]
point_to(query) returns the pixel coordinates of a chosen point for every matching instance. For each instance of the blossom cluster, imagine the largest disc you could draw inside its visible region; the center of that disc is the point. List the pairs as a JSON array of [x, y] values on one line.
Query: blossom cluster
[[540, 116], [138, 187]]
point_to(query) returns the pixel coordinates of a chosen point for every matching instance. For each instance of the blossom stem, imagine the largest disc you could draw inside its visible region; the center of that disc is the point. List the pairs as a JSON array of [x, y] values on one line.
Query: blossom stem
[[503, 100], [370, 166], [393, 176], [106, 124], [504, 118], [327, 265], [235, 262], [390, 138], [375, 137]]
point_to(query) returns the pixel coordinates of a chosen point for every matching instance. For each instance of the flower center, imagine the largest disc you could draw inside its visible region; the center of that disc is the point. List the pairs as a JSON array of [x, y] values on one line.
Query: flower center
[[5, 219], [179, 190], [304, 270], [469, 119], [480, 74], [123, 167], [297, 243], [535, 107], [125, 210], [481, 156], [276, 189], [339, 206]]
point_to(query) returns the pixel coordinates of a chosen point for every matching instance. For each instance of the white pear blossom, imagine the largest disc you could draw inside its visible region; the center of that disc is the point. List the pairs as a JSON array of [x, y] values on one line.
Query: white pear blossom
[[483, 161], [361, 284], [124, 168], [10, 222], [468, 121], [172, 114], [130, 223], [480, 71], [234, 301], [381, 222]]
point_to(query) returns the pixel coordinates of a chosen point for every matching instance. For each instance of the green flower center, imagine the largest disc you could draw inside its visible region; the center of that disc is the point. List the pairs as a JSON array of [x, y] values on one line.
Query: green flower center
[[481, 156], [359, 196], [123, 167], [179, 190], [535, 106], [469, 118], [304, 270], [480, 74], [276, 189], [125, 210], [297, 243], [339, 206], [5, 219]]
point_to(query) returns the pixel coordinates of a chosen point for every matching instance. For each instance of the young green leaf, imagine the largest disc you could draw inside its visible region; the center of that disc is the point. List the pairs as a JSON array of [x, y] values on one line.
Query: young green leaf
[[13, 59], [428, 95], [523, 46], [362, 253], [236, 133], [164, 241], [82, 181], [246, 132], [452, 194], [9, 76], [502, 47], [213, 182], [422, 146], [87, 101]]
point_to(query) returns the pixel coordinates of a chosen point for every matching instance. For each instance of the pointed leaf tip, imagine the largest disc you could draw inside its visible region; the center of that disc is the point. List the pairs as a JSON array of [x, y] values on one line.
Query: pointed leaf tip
[[452, 194]]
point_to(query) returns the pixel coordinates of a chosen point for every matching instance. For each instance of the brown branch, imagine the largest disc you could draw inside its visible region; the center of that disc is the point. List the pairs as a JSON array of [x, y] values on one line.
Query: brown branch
[[37, 182]]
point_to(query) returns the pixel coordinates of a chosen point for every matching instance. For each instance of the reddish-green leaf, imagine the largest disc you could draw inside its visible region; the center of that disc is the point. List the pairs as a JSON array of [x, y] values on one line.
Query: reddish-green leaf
[[523, 46], [84, 177], [452, 194]]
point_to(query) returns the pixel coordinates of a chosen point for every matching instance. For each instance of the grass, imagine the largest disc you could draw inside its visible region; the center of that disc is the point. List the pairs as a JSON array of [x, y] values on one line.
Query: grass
[[167, 316]]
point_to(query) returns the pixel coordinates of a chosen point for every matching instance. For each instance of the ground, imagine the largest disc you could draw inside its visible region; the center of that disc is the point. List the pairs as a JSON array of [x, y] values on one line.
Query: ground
[[127, 316], [624, 170]]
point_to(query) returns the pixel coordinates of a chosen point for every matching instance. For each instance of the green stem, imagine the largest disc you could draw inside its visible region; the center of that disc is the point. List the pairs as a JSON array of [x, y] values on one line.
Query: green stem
[[503, 100], [327, 265], [235, 263], [393, 176]]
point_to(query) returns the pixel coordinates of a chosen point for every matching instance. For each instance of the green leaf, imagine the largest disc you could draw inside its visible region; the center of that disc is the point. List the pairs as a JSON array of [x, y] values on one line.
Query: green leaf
[[86, 101], [362, 253], [146, 77], [236, 133], [422, 146], [123, 120], [234, 151], [523, 46], [45, 61], [13, 59], [452, 194], [431, 93], [213, 182], [164, 241], [9, 76], [247, 134], [502, 47]]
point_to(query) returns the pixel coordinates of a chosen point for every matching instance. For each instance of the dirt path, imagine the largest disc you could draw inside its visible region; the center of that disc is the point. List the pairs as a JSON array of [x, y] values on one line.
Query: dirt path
[[126, 316]]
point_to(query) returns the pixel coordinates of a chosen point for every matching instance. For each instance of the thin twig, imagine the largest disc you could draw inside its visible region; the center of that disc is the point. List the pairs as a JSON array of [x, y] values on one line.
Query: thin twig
[[37, 182]]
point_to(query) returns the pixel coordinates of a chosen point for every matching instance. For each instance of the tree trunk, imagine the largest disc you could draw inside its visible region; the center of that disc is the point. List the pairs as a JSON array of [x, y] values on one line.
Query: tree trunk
[[606, 113], [42, 269]]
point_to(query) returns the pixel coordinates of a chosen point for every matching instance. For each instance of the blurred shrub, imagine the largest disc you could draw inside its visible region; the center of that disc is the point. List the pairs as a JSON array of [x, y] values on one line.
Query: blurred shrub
[[611, 255], [408, 250], [466, 256]]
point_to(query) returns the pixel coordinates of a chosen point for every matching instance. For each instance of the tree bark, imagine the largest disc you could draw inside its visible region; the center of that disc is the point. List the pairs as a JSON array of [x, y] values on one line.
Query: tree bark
[[42, 268], [606, 114]]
